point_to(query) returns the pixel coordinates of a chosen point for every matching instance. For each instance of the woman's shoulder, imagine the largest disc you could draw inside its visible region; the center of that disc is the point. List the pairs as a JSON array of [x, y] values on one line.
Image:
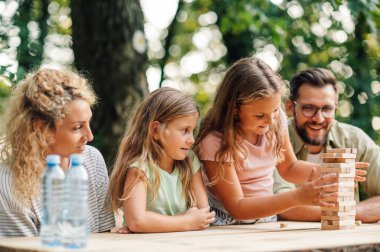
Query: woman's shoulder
[[5, 174], [92, 154], [7, 198], [91, 150], [93, 160]]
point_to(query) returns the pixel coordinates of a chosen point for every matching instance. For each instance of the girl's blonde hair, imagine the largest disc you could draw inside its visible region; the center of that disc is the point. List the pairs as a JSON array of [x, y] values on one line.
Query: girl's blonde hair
[[41, 97], [138, 144], [245, 81]]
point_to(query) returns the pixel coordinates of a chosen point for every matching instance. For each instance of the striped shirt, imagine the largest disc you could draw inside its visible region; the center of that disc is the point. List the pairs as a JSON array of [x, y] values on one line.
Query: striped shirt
[[19, 220]]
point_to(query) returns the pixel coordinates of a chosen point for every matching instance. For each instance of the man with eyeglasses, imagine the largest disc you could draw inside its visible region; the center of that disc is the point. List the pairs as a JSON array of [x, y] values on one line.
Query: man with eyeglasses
[[312, 104]]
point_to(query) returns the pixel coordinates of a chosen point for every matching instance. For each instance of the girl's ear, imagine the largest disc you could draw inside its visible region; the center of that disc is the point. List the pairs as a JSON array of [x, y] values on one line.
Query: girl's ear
[[155, 127]]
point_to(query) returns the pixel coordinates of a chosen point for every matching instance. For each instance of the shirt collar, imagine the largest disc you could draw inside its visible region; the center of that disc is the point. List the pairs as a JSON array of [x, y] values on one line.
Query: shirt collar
[[298, 143]]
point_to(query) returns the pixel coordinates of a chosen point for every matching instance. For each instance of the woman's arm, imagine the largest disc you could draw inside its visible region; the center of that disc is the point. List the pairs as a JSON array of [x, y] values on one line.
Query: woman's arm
[[140, 220], [230, 193]]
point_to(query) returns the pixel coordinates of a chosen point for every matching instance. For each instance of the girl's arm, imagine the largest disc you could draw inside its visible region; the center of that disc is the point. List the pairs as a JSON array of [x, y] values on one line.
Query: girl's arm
[[293, 170], [231, 195], [140, 220], [199, 190]]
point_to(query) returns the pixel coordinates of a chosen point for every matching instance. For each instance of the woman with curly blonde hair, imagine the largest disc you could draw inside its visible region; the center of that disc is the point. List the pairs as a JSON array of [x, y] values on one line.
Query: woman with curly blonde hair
[[48, 113]]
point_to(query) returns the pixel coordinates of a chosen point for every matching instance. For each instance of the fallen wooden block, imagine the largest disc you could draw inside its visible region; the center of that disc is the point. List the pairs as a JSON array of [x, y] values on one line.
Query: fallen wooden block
[[283, 225]]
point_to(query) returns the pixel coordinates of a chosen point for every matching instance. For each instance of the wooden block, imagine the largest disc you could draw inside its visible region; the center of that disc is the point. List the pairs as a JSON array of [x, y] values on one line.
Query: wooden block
[[344, 179], [333, 217], [338, 155], [346, 184], [339, 160], [358, 223], [350, 175], [346, 194], [340, 198], [337, 227], [338, 222], [283, 225], [342, 150], [341, 189], [345, 203], [339, 208], [339, 165], [335, 213], [350, 171]]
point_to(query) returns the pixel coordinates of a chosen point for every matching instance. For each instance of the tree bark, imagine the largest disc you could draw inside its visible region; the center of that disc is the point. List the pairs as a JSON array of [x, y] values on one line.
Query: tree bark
[[102, 44]]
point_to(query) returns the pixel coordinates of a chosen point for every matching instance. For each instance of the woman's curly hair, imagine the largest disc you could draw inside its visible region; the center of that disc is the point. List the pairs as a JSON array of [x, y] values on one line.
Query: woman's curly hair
[[41, 97]]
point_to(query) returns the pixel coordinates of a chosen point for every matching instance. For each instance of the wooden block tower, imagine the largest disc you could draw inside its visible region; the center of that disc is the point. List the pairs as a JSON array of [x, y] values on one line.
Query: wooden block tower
[[342, 216]]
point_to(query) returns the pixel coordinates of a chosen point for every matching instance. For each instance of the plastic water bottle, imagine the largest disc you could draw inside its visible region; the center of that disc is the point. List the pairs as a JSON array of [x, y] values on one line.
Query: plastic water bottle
[[74, 231], [52, 186]]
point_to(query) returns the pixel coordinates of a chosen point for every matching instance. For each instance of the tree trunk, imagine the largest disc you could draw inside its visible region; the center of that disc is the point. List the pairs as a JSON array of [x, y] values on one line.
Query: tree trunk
[[102, 44]]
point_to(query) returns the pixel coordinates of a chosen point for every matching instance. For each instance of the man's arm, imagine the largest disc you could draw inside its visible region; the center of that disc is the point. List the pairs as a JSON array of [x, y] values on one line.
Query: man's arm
[[368, 210]]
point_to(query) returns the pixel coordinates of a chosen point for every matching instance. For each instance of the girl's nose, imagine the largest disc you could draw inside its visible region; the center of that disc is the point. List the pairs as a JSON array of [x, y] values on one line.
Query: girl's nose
[[270, 119], [191, 139]]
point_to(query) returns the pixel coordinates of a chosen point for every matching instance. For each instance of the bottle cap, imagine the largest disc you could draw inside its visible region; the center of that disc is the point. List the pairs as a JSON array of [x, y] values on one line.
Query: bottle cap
[[53, 159], [76, 159]]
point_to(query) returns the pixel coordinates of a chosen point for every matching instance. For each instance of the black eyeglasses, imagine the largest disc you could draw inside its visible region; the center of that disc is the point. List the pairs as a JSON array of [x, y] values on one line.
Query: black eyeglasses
[[311, 110]]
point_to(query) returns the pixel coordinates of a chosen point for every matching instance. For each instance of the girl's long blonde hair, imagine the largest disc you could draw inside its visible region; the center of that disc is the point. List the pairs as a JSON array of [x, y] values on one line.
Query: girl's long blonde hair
[[138, 144], [245, 81], [42, 96]]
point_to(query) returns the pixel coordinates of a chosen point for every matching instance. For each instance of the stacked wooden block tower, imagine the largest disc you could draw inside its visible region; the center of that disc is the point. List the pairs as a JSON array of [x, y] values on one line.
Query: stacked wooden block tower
[[342, 216]]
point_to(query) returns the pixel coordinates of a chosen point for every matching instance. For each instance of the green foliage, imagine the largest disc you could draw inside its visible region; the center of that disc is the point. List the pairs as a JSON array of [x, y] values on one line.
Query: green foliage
[[343, 36], [339, 35], [33, 21]]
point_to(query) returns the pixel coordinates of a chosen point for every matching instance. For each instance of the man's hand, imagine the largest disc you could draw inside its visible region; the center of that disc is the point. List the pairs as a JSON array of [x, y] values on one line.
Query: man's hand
[[359, 173]]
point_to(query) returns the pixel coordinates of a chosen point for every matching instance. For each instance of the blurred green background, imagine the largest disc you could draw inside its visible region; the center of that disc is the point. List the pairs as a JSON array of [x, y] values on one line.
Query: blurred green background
[[130, 47]]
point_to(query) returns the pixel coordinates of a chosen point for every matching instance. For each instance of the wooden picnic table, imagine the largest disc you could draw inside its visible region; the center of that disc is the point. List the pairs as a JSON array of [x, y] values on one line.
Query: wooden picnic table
[[260, 237]]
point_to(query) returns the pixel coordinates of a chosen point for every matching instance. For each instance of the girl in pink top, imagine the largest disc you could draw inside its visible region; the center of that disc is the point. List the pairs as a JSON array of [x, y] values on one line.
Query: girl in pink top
[[242, 139]]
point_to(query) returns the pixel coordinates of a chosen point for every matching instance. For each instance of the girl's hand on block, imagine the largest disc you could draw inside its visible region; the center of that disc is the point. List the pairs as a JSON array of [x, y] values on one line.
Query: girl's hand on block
[[123, 230], [315, 191], [360, 173], [200, 218]]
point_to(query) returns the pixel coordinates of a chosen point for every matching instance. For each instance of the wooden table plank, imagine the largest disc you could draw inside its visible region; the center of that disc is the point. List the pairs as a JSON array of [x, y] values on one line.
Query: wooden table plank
[[263, 237]]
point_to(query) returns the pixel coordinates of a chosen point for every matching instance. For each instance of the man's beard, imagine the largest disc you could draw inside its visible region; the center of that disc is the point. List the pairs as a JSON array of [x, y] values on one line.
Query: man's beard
[[304, 136]]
